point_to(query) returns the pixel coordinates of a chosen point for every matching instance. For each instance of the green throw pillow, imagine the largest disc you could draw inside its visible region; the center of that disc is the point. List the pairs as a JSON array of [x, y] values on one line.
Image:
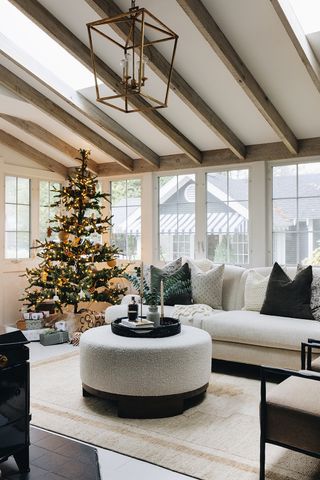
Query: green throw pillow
[[177, 286]]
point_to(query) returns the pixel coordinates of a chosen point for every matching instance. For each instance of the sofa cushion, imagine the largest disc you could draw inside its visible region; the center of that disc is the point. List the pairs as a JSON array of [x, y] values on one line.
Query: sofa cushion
[[286, 297], [253, 328], [207, 286], [232, 288]]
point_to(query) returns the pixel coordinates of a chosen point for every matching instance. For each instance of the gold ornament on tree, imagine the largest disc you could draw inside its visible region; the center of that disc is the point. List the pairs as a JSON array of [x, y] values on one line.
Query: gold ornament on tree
[[44, 276], [63, 236], [76, 241]]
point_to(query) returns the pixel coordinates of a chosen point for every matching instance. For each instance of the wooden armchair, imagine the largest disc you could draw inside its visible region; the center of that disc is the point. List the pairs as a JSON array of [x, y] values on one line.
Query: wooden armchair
[[308, 362], [290, 412]]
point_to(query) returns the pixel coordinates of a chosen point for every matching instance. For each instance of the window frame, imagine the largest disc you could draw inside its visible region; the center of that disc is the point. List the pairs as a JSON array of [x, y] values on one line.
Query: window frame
[[269, 196], [248, 233], [157, 219], [16, 204], [34, 175], [200, 240], [107, 188]]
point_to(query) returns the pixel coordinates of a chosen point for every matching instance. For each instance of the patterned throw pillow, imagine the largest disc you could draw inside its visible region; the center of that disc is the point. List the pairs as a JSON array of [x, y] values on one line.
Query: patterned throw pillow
[[207, 286], [255, 290], [315, 291], [177, 285], [168, 268]]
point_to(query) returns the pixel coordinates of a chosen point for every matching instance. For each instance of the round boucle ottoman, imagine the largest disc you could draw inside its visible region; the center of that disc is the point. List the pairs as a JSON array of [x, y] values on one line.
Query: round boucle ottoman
[[148, 377]]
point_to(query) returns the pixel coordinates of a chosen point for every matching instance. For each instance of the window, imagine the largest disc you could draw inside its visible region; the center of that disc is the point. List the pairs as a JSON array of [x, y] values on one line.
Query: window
[[296, 213], [227, 216], [126, 211], [17, 217], [176, 216], [47, 197]]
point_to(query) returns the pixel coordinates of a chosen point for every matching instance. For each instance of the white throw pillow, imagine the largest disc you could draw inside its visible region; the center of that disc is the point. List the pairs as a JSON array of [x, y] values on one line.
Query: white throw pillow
[[255, 290], [203, 263], [207, 286]]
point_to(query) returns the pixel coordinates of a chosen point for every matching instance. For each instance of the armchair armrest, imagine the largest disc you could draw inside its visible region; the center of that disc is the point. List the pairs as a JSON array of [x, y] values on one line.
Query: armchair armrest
[[306, 351]]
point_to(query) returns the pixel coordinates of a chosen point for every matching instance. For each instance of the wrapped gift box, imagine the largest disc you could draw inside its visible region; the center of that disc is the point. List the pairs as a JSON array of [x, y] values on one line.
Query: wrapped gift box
[[53, 337], [34, 324]]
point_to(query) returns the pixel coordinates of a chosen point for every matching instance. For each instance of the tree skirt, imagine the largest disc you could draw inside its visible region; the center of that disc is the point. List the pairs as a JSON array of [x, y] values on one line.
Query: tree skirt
[[217, 439]]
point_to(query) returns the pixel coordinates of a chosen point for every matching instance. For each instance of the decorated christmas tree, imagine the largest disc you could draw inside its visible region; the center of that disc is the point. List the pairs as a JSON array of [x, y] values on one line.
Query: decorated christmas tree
[[68, 272]]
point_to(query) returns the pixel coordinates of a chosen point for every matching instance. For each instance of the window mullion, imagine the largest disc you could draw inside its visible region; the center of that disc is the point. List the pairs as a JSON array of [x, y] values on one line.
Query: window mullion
[[200, 238], [34, 201]]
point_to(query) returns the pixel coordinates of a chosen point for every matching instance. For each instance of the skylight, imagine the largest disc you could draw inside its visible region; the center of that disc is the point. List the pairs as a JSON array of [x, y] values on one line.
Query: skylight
[[36, 43], [308, 14]]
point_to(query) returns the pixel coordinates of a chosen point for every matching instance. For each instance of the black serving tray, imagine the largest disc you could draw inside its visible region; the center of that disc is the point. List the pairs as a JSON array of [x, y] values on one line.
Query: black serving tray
[[168, 327]]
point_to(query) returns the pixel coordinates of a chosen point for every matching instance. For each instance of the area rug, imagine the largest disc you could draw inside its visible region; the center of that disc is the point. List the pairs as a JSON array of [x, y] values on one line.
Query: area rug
[[217, 439]]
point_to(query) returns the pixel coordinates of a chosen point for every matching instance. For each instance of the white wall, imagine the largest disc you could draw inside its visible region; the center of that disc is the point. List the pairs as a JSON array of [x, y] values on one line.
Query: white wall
[[12, 284]]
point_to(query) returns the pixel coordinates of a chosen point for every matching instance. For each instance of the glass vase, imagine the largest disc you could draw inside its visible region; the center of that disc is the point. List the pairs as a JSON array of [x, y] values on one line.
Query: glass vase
[[153, 315]]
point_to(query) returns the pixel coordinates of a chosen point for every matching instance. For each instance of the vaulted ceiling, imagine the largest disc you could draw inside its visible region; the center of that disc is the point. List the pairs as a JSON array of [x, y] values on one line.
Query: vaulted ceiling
[[245, 87]]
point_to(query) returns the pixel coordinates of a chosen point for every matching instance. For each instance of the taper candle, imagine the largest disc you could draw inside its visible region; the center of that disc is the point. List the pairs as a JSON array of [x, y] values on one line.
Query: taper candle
[[141, 287], [161, 300], [141, 280]]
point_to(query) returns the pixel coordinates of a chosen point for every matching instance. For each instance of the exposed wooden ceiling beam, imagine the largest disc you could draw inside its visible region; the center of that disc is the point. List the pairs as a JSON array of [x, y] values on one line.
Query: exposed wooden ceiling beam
[[31, 95], [202, 19], [32, 153], [182, 89], [298, 38], [309, 147], [36, 131], [51, 25], [78, 101]]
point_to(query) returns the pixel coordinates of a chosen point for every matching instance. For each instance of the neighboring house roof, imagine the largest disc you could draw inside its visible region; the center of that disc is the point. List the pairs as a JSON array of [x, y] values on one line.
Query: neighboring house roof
[[232, 217], [286, 208]]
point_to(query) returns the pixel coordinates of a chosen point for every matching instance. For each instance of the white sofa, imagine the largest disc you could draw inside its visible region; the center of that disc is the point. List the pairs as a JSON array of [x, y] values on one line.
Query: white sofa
[[245, 336]]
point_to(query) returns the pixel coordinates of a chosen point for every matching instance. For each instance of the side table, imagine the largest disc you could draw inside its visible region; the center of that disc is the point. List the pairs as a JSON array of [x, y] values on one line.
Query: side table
[[15, 398]]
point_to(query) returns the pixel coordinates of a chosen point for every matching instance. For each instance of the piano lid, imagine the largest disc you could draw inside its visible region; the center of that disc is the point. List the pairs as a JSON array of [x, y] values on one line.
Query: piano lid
[[11, 336]]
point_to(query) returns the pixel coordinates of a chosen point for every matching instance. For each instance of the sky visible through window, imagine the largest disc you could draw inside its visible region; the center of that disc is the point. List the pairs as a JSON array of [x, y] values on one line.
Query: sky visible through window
[[308, 14], [36, 43]]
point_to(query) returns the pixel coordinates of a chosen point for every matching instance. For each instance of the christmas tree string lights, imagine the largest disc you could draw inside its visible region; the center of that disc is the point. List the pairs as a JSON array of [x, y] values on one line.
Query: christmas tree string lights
[[68, 273]]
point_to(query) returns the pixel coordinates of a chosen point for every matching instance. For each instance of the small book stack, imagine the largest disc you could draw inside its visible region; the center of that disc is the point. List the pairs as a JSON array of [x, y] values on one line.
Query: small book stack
[[141, 323]]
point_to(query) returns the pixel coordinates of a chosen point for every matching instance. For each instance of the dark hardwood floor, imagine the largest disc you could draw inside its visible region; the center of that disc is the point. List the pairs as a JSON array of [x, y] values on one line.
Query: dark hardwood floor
[[55, 458]]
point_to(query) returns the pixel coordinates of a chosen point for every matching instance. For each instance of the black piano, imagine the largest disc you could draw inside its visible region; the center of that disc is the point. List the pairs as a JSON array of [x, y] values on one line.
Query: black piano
[[14, 397]]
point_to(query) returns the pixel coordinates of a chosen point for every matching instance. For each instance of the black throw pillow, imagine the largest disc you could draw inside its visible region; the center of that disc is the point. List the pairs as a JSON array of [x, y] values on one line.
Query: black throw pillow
[[176, 286], [286, 297]]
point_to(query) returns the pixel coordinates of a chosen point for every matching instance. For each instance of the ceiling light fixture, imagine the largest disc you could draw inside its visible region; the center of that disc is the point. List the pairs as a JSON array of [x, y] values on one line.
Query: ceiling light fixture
[[143, 30]]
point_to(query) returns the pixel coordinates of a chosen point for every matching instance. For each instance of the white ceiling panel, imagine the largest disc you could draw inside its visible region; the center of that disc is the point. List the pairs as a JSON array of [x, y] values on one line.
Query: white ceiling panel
[[254, 28], [199, 66]]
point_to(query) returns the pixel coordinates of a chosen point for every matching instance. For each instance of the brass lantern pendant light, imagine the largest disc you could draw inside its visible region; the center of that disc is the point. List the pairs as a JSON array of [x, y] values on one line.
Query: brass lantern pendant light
[[130, 38]]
